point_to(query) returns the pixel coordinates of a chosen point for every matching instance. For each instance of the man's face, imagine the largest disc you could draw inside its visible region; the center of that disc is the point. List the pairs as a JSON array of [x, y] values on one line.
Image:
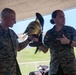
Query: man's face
[[10, 20]]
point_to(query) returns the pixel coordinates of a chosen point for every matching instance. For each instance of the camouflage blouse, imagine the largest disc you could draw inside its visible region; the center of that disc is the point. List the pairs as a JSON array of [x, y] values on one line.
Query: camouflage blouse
[[8, 45], [60, 53]]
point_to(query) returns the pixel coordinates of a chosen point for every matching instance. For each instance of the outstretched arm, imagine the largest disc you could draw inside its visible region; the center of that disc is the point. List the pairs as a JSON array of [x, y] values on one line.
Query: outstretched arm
[[43, 48], [23, 44]]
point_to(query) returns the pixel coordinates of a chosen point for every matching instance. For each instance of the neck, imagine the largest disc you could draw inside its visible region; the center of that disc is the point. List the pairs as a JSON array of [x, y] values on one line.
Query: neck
[[58, 28], [4, 26]]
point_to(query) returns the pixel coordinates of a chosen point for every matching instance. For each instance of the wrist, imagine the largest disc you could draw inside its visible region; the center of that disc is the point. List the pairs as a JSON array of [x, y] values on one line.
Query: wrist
[[29, 39], [70, 42]]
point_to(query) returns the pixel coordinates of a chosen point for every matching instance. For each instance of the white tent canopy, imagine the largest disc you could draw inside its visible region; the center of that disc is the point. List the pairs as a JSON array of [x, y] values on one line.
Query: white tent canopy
[[27, 8]]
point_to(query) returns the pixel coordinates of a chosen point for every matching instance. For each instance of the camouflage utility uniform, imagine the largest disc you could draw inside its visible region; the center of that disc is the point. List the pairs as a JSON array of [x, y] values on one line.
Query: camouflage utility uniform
[[7, 52], [61, 54]]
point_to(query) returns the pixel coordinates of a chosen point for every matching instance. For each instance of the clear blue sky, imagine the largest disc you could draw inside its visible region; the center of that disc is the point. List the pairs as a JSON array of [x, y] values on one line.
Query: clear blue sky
[[70, 16]]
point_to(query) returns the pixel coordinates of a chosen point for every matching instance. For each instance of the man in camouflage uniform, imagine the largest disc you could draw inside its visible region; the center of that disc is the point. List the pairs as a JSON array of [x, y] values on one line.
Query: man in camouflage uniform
[[60, 40], [9, 44]]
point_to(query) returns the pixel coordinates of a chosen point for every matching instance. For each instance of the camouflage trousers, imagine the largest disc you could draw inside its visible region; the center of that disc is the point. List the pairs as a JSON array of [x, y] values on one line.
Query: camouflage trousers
[[7, 67], [67, 69]]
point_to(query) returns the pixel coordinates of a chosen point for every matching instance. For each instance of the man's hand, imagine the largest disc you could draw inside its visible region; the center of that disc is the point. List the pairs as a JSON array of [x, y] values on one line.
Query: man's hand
[[31, 37]]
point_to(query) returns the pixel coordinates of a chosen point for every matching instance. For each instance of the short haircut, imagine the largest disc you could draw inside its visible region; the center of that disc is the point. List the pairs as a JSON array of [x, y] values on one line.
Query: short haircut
[[6, 12]]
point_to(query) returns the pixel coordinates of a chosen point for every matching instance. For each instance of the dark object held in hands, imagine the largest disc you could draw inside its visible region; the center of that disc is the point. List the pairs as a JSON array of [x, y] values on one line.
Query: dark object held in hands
[[35, 28]]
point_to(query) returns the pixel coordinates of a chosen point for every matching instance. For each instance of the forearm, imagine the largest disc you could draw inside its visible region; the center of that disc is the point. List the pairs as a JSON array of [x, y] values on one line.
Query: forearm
[[65, 40], [22, 45], [43, 48], [73, 43]]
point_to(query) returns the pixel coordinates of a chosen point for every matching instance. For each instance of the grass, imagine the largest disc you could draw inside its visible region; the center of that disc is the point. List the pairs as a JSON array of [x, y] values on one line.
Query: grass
[[27, 55]]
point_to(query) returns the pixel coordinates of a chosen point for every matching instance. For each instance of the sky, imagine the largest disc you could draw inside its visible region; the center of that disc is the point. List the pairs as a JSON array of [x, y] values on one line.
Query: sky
[[70, 16]]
